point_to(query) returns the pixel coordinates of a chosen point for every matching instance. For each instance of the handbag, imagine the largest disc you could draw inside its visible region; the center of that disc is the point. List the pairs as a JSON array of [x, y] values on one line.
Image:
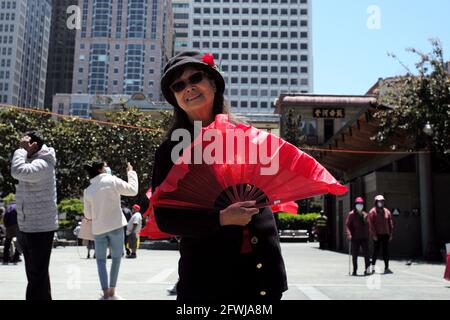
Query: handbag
[[86, 230]]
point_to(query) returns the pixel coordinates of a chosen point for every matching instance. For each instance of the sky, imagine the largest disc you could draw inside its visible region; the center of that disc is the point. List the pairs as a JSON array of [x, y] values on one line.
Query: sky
[[350, 43]]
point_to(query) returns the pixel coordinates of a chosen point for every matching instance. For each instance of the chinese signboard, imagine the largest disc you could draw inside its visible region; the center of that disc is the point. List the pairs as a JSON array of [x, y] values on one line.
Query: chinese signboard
[[329, 113]]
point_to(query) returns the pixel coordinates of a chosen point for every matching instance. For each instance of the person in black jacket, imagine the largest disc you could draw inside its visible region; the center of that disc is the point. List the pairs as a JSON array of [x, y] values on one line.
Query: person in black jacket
[[228, 254]]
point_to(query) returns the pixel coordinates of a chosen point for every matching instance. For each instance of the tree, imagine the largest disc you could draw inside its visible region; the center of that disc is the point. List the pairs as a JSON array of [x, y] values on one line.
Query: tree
[[133, 137], [292, 132], [415, 99]]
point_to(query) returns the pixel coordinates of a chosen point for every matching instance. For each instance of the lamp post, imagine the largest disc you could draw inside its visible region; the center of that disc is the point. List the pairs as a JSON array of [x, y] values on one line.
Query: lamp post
[[426, 196]]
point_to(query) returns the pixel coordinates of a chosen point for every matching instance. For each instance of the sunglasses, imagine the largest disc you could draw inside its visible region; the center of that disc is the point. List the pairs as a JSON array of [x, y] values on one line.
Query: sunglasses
[[192, 79]]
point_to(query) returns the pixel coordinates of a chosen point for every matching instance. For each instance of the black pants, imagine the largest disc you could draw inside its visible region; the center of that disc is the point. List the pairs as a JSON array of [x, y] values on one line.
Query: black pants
[[383, 241], [132, 242], [37, 248], [364, 244], [125, 240]]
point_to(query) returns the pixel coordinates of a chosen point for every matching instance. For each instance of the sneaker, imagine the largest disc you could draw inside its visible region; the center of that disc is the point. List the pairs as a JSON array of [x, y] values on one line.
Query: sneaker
[[131, 256], [387, 271], [354, 273], [116, 297], [102, 297]]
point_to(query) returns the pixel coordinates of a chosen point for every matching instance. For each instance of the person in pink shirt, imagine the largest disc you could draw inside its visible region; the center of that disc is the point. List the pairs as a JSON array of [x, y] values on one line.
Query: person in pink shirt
[[357, 231], [381, 229]]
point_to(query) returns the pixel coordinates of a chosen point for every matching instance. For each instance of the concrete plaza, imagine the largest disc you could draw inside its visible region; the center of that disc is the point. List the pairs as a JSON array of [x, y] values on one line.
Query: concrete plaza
[[313, 274]]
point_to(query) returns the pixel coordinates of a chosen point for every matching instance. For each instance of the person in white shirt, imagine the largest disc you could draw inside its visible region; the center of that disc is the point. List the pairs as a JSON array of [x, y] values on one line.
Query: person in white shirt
[[102, 207], [133, 229]]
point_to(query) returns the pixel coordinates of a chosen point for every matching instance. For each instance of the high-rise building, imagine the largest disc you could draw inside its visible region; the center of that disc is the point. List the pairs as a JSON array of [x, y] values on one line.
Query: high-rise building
[[61, 51], [122, 47], [24, 41], [264, 47], [181, 13]]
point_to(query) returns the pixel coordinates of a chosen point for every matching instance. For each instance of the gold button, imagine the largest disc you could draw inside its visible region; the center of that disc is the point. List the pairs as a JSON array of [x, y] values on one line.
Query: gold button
[[259, 265], [263, 293], [254, 240]]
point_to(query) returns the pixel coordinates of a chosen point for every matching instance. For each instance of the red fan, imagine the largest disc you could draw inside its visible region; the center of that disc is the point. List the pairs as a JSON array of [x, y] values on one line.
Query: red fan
[[151, 229], [228, 163], [290, 207]]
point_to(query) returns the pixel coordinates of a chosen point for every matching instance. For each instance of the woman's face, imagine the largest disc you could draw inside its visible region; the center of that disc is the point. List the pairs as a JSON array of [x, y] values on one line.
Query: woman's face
[[196, 99]]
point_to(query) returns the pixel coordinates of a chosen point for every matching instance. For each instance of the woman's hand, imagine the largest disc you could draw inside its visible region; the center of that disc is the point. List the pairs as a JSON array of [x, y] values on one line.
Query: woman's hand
[[129, 167], [238, 214]]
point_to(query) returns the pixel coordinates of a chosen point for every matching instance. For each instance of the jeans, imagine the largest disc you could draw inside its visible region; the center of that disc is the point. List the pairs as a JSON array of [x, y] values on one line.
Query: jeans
[[383, 241], [37, 248], [364, 244], [113, 239]]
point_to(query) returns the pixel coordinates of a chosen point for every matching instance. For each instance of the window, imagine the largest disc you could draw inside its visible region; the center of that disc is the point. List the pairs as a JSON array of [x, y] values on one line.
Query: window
[[309, 127]]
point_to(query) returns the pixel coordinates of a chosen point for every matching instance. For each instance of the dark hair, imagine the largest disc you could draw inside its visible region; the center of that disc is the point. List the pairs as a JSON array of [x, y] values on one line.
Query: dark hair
[[94, 168], [36, 137], [181, 120]]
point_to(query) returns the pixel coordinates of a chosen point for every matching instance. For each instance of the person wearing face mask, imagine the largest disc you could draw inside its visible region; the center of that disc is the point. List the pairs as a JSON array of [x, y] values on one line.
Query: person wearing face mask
[[102, 208], [381, 229], [357, 231], [33, 165]]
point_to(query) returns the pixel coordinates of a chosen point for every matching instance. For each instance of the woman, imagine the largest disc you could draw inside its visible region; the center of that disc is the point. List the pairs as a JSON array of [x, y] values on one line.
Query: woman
[[102, 207], [357, 231], [219, 261]]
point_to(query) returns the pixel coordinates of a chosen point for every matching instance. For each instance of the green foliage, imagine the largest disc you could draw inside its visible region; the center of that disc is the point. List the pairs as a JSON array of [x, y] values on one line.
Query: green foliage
[[73, 208], [292, 131], [77, 142], [289, 221], [9, 198], [415, 99]]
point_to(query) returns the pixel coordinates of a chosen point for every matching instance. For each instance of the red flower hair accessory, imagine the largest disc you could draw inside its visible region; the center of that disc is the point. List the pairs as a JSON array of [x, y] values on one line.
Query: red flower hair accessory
[[209, 59]]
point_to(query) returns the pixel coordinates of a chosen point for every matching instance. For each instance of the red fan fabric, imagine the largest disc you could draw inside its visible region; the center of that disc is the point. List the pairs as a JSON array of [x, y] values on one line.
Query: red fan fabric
[[289, 207], [447, 269], [151, 229], [263, 167]]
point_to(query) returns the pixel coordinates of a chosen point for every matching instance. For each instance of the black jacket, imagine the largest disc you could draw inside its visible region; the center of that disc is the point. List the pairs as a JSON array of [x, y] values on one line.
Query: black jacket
[[211, 266]]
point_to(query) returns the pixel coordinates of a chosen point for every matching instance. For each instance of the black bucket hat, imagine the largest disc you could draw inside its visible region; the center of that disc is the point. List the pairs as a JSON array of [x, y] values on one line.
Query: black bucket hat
[[205, 62]]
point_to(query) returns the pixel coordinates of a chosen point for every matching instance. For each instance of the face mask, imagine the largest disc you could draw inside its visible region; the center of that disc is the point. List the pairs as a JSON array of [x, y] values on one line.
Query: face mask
[[380, 205], [359, 207], [108, 170]]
